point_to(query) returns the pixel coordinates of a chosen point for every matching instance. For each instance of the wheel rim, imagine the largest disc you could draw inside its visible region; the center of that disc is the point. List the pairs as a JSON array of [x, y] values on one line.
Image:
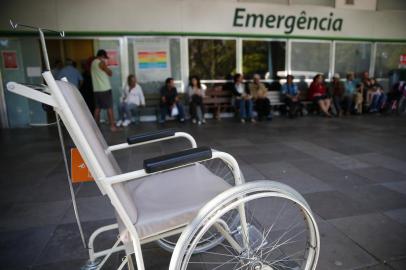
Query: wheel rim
[[273, 244]]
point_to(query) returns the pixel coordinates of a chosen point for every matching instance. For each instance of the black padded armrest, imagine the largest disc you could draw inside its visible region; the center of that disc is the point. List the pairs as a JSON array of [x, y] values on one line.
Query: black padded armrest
[[173, 160], [149, 136]]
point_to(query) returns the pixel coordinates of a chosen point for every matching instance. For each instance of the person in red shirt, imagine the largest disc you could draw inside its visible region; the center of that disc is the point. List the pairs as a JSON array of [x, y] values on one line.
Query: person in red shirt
[[318, 94]]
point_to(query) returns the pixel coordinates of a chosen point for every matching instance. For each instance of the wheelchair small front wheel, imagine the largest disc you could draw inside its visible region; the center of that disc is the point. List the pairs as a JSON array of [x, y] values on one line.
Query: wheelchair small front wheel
[[265, 225]]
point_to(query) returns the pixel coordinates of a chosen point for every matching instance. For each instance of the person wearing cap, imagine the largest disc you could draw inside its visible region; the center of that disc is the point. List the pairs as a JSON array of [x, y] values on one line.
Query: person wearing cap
[[262, 105], [291, 94], [71, 73], [102, 87], [337, 92]]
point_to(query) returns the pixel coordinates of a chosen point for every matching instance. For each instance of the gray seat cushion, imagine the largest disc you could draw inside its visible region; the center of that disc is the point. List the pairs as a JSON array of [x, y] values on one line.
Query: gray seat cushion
[[172, 199]]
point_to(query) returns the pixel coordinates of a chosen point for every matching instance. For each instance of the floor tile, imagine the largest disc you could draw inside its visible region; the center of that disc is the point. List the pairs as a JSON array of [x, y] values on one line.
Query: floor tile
[[340, 252], [334, 204], [380, 174], [376, 233]]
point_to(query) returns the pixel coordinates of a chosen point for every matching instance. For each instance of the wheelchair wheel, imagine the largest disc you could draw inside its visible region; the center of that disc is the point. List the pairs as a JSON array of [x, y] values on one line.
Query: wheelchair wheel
[[212, 238], [275, 229]]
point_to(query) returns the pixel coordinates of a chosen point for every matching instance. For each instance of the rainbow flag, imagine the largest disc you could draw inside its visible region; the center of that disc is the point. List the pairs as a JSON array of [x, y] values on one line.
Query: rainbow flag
[[149, 60]]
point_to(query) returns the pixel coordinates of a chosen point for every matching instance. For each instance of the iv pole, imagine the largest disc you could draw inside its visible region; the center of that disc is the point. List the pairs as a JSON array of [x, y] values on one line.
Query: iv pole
[[48, 68]]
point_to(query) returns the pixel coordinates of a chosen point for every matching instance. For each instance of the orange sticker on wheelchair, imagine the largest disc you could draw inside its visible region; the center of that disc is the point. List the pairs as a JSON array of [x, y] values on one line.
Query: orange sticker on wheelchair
[[79, 171]]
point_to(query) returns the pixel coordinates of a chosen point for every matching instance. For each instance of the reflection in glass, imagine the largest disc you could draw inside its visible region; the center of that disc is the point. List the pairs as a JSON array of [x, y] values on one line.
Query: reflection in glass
[[265, 58], [212, 59]]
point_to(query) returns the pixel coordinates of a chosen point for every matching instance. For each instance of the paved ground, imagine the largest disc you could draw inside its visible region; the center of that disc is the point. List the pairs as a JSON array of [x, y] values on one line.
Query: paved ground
[[352, 171]]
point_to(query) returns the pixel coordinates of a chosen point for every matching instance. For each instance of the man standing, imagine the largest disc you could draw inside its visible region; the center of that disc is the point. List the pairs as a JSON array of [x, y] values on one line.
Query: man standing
[[70, 72], [102, 87]]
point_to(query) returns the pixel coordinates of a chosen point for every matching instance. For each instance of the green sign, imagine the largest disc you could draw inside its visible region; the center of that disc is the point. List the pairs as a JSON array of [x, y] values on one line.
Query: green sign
[[287, 23]]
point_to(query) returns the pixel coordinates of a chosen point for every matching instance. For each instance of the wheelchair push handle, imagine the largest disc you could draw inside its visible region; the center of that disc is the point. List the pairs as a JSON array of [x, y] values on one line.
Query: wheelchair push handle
[[177, 159]]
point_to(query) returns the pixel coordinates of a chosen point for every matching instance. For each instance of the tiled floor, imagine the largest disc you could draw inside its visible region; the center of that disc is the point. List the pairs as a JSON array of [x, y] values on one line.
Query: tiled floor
[[352, 171]]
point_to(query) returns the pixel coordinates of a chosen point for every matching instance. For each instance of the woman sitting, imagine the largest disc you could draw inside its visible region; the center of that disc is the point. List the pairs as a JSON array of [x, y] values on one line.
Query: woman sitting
[[318, 94], [131, 98], [243, 99], [196, 93]]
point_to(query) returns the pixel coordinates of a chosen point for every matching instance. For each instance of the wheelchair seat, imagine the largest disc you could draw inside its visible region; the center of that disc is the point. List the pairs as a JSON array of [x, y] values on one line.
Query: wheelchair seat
[[170, 200], [155, 203]]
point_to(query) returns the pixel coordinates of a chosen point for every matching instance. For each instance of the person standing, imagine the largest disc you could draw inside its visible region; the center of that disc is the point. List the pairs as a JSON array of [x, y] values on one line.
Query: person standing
[[71, 73], [102, 87]]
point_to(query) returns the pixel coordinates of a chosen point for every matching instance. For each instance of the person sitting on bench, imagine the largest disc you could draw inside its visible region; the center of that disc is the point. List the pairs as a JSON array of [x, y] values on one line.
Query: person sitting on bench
[[291, 94], [169, 103], [131, 99], [262, 104], [196, 93], [243, 98]]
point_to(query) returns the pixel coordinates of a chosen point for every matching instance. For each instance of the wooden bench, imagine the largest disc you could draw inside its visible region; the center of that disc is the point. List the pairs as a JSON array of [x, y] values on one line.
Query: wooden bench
[[218, 100]]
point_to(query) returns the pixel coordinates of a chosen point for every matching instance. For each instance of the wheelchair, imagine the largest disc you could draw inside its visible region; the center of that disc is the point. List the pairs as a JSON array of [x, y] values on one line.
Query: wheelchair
[[194, 203]]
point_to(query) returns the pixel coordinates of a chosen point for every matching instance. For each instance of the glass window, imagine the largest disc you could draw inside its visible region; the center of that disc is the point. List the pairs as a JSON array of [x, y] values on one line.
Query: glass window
[[387, 58], [153, 60], [212, 59], [352, 57], [265, 58], [310, 57]]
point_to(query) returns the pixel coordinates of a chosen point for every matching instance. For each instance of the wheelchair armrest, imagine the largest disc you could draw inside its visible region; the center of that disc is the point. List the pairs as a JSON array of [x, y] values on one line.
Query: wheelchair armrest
[[149, 136], [177, 159]]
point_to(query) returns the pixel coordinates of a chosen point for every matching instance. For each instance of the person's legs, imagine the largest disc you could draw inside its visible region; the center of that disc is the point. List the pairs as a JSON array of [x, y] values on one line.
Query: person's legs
[[337, 104], [199, 114], [328, 104], [181, 115], [192, 110], [121, 111], [243, 109], [289, 104], [250, 107], [111, 119], [163, 112], [129, 108], [358, 102], [97, 115]]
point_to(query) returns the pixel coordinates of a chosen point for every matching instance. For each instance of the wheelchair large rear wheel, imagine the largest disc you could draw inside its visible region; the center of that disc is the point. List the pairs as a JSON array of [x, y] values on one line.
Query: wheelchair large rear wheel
[[275, 230]]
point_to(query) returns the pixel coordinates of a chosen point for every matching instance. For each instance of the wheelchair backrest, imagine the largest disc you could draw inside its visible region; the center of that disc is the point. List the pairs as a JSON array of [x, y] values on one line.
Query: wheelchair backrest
[[88, 139]]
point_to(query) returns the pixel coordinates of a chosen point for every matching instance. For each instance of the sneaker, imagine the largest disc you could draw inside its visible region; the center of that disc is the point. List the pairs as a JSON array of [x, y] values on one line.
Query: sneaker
[[119, 123], [182, 120], [253, 120], [126, 123], [242, 120], [194, 121], [199, 123], [204, 121]]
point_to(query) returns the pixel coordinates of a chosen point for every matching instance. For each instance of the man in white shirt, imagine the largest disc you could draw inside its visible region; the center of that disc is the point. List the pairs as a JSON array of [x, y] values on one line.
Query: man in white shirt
[[131, 98]]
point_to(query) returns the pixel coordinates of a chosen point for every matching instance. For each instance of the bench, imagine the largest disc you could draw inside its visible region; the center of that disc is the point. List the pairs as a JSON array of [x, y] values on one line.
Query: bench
[[218, 100]]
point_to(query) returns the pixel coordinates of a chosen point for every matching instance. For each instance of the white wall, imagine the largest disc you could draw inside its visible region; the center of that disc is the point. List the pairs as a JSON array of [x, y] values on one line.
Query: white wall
[[358, 4], [194, 16]]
